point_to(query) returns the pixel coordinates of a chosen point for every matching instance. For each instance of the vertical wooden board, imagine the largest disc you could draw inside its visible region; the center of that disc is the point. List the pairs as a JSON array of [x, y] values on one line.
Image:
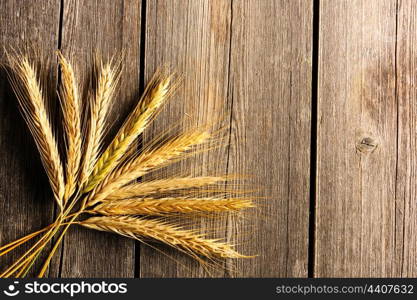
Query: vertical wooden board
[[405, 261], [271, 54], [358, 217], [26, 201], [107, 28], [193, 37]]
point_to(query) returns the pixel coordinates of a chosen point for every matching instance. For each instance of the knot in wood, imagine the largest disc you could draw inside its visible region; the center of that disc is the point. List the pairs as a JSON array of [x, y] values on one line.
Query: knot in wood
[[366, 145]]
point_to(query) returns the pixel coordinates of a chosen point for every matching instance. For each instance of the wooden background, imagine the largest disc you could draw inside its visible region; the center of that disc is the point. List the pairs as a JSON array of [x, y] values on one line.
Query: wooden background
[[319, 96]]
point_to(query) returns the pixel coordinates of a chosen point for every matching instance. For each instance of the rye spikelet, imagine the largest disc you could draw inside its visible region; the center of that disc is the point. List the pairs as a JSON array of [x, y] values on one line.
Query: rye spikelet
[[99, 106], [27, 88], [154, 96], [188, 241], [71, 108], [148, 160], [171, 205], [140, 189]]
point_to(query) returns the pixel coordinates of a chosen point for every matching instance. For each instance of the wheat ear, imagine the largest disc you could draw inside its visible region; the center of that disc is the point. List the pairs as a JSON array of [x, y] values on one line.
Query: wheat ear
[[150, 159], [139, 189], [154, 96], [32, 105], [71, 108], [99, 105], [187, 241], [171, 205]]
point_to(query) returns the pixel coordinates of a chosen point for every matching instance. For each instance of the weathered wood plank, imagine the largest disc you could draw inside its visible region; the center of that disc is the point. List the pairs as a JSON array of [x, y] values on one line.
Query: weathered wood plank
[[361, 210], [193, 37], [271, 94], [404, 263], [26, 201], [107, 27]]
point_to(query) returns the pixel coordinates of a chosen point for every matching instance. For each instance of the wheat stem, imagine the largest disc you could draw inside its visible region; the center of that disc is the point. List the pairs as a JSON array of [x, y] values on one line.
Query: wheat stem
[[9, 247], [36, 247], [55, 247]]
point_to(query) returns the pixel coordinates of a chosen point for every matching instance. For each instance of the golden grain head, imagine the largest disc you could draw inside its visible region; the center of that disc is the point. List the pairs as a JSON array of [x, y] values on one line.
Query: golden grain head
[[149, 159], [153, 98], [108, 79], [26, 85], [187, 241], [171, 205], [139, 189], [71, 107]]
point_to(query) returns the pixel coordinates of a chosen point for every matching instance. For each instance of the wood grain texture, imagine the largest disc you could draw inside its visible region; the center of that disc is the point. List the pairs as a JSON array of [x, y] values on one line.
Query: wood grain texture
[[363, 201], [26, 200], [194, 38], [405, 235], [107, 28], [247, 64], [270, 88]]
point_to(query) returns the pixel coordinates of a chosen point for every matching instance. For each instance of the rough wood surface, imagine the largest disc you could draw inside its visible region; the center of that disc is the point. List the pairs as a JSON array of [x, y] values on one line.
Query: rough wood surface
[[270, 91], [26, 201], [194, 38], [405, 264], [249, 64], [256, 96], [107, 28], [363, 200]]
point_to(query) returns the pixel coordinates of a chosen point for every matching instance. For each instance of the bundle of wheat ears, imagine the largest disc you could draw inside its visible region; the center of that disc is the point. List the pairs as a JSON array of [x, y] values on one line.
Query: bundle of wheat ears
[[97, 187]]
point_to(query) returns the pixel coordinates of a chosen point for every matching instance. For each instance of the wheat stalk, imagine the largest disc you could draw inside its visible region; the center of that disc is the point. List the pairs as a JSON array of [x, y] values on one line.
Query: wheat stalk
[[71, 108], [188, 241], [154, 96], [99, 106], [104, 183], [171, 205], [139, 189], [148, 160], [32, 105]]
